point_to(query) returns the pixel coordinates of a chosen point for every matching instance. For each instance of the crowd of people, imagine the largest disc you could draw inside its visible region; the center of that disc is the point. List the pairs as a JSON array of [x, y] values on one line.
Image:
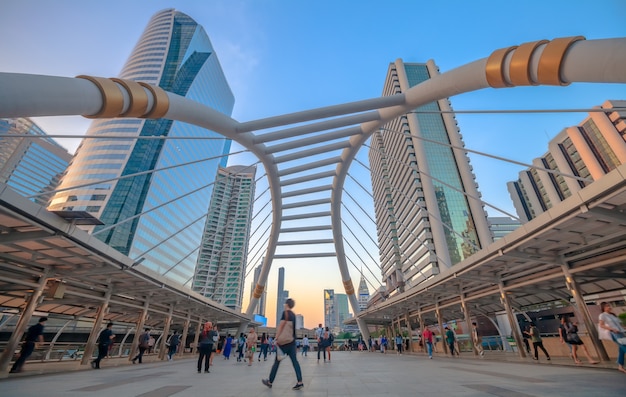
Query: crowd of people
[[250, 345]]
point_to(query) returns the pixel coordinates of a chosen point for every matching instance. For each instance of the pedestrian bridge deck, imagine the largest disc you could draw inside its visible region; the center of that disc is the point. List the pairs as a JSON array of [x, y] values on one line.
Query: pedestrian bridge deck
[[361, 374]]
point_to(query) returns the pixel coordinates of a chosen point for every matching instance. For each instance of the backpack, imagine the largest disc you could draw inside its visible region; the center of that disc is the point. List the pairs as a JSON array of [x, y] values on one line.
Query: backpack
[[144, 341]]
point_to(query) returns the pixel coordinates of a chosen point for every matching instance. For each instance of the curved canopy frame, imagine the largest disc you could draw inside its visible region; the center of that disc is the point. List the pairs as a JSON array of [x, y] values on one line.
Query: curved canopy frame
[[558, 62]]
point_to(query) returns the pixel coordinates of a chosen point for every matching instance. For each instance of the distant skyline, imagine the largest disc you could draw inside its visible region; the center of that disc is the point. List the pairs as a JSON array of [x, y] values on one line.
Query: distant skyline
[[282, 56]]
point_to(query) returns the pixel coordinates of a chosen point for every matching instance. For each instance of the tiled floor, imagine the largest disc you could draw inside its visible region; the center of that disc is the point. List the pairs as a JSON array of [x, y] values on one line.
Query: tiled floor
[[349, 374]]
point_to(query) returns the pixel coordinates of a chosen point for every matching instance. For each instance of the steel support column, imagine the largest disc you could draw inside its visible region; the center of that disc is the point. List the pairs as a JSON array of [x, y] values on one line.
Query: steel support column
[[468, 322], [512, 321], [96, 328], [196, 337], [583, 311], [22, 323], [140, 323], [164, 335], [183, 340], [442, 332]]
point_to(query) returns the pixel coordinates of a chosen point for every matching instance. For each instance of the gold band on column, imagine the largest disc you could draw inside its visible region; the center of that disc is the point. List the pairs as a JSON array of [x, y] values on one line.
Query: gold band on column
[[258, 291], [161, 102], [549, 69], [112, 97], [494, 70], [347, 285], [138, 98], [519, 67]]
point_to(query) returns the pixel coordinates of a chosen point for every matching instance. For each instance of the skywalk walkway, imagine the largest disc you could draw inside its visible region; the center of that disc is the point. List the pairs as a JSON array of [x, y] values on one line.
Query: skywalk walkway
[[349, 374]]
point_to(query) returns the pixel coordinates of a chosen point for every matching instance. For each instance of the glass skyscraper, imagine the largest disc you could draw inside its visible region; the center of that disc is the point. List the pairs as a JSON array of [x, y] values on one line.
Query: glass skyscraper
[[221, 268], [156, 217], [30, 166], [425, 221]]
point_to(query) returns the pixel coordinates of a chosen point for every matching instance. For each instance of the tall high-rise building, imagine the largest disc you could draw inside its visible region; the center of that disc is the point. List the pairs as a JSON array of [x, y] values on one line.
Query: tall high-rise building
[[281, 296], [299, 321], [342, 310], [502, 225], [425, 220], [330, 311], [30, 166], [263, 298], [156, 217], [221, 268], [578, 156], [364, 294]]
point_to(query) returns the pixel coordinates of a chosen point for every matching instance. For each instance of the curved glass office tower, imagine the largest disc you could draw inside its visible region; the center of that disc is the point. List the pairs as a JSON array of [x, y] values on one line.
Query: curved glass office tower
[[155, 217]]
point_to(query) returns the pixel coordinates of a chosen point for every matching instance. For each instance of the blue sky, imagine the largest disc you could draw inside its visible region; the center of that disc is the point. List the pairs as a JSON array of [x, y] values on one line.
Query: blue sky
[[286, 56]]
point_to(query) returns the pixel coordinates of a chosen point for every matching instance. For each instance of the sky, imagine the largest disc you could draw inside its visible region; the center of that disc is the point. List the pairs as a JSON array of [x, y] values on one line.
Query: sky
[[283, 56]]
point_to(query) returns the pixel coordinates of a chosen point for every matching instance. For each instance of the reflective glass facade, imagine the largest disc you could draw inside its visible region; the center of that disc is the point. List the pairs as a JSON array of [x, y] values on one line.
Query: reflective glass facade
[[30, 166], [423, 216], [158, 216]]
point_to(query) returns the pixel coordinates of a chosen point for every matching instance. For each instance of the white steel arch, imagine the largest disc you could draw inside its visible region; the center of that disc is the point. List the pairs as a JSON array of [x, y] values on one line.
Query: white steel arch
[[557, 62]]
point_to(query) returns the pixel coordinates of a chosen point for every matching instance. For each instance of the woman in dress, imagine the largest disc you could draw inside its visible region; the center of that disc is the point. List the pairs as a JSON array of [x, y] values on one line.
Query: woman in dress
[[569, 334], [228, 345], [611, 324]]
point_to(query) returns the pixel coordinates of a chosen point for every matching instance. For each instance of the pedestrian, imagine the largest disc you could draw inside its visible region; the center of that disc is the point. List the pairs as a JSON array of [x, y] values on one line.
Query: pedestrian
[[427, 337], [216, 341], [609, 327], [305, 345], [228, 346], [398, 344], [34, 335], [574, 341], [104, 341], [535, 338], [329, 338], [451, 339], [172, 345], [370, 344], [383, 344], [151, 343], [264, 346], [478, 342], [319, 335], [241, 347], [144, 344], [525, 337], [251, 341], [208, 337], [288, 322]]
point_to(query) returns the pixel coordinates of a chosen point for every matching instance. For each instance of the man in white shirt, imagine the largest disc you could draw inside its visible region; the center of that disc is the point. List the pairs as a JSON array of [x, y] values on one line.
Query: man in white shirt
[[319, 335], [305, 345]]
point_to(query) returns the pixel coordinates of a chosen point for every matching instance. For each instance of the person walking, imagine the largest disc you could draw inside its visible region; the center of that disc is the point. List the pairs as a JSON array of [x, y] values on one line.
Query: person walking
[[319, 335], [610, 328], [535, 338], [398, 344], [478, 342], [451, 339], [328, 340], [427, 337], [289, 349], [172, 345], [216, 341], [264, 346], [34, 335], [305, 345], [241, 345], [383, 344], [205, 346], [144, 344], [228, 346], [251, 341], [573, 339], [104, 341]]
